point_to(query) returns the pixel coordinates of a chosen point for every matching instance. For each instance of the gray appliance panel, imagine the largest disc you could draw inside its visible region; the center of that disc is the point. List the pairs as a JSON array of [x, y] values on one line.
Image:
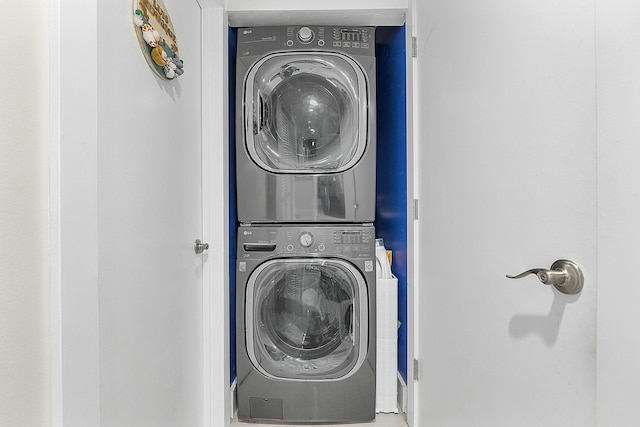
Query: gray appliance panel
[[342, 401], [346, 197], [261, 398], [264, 196], [262, 242], [351, 40]]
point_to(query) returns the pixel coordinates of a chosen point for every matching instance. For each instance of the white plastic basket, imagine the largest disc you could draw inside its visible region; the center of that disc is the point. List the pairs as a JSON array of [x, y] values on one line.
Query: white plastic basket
[[387, 345]]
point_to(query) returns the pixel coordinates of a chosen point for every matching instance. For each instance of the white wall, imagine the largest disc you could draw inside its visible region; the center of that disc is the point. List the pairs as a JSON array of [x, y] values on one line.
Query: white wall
[[618, 75], [24, 272]]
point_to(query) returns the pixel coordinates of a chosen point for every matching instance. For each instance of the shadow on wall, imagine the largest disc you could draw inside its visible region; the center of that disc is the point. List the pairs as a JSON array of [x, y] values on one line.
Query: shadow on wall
[[173, 88], [547, 327]]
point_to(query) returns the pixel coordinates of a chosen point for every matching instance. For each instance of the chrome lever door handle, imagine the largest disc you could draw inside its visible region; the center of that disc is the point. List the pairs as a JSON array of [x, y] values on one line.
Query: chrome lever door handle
[[566, 276], [547, 277]]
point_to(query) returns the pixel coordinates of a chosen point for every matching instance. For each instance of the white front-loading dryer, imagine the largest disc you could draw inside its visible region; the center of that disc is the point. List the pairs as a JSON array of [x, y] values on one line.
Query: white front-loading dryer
[[305, 319], [305, 124]]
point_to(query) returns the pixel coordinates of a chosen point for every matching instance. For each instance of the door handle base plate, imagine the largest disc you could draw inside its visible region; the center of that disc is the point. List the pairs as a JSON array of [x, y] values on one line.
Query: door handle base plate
[[574, 278]]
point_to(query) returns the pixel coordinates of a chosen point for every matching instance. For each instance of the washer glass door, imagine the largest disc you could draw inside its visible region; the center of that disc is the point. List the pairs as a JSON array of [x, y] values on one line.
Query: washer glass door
[[307, 319], [305, 113]]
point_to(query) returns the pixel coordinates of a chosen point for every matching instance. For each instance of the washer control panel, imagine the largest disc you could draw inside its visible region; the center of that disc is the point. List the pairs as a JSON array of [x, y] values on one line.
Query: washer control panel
[[259, 242], [262, 40]]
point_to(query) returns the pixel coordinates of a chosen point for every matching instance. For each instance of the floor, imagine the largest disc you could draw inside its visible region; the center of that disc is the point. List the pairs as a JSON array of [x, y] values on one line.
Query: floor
[[382, 420]]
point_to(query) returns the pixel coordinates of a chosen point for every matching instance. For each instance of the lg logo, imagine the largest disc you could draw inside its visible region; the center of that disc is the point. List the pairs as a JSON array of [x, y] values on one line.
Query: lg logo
[[247, 233], [247, 32]]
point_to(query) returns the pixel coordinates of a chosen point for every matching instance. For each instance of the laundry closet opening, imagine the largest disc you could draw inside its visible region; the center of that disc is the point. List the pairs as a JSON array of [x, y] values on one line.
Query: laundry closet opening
[[391, 172]]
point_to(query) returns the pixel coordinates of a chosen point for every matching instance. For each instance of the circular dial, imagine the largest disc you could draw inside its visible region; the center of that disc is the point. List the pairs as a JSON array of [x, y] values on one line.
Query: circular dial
[[305, 35], [306, 239]]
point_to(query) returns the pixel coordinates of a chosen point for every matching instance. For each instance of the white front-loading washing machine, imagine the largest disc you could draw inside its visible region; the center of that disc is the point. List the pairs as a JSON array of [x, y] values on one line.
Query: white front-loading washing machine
[[306, 124], [305, 319]]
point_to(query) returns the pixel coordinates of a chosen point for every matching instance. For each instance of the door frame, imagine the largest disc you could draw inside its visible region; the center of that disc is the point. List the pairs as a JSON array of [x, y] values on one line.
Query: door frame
[[413, 187], [73, 214]]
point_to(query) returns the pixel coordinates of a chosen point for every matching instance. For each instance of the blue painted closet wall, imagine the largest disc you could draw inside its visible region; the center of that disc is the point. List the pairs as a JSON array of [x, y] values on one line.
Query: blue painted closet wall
[[391, 213], [391, 172]]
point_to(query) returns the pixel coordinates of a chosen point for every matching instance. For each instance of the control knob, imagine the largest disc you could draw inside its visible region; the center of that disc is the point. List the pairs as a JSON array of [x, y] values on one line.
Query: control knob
[[306, 239], [305, 35]]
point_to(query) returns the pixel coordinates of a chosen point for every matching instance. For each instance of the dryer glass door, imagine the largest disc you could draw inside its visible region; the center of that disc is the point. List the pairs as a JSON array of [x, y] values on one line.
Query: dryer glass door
[[309, 319], [306, 113]]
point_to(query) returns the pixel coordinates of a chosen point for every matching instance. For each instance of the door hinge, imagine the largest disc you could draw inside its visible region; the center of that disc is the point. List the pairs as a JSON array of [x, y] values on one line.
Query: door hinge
[[414, 47], [415, 209], [416, 369]]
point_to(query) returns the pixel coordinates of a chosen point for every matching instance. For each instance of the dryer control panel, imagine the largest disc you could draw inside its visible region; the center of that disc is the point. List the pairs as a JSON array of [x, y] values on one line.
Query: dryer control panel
[[351, 40], [262, 241]]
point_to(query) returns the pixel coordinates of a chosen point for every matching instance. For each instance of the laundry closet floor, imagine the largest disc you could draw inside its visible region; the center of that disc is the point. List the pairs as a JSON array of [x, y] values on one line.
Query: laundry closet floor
[[382, 420]]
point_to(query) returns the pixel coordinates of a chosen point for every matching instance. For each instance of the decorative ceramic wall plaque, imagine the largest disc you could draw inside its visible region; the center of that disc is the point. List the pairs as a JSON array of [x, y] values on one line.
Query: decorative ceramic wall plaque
[[157, 38]]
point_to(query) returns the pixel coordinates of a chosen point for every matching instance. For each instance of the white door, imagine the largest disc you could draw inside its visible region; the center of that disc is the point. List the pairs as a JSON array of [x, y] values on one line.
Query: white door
[[506, 152], [149, 214]]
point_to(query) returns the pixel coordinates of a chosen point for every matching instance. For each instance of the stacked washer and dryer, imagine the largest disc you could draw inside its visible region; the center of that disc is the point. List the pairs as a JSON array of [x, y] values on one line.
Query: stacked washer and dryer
[[306, 194]]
